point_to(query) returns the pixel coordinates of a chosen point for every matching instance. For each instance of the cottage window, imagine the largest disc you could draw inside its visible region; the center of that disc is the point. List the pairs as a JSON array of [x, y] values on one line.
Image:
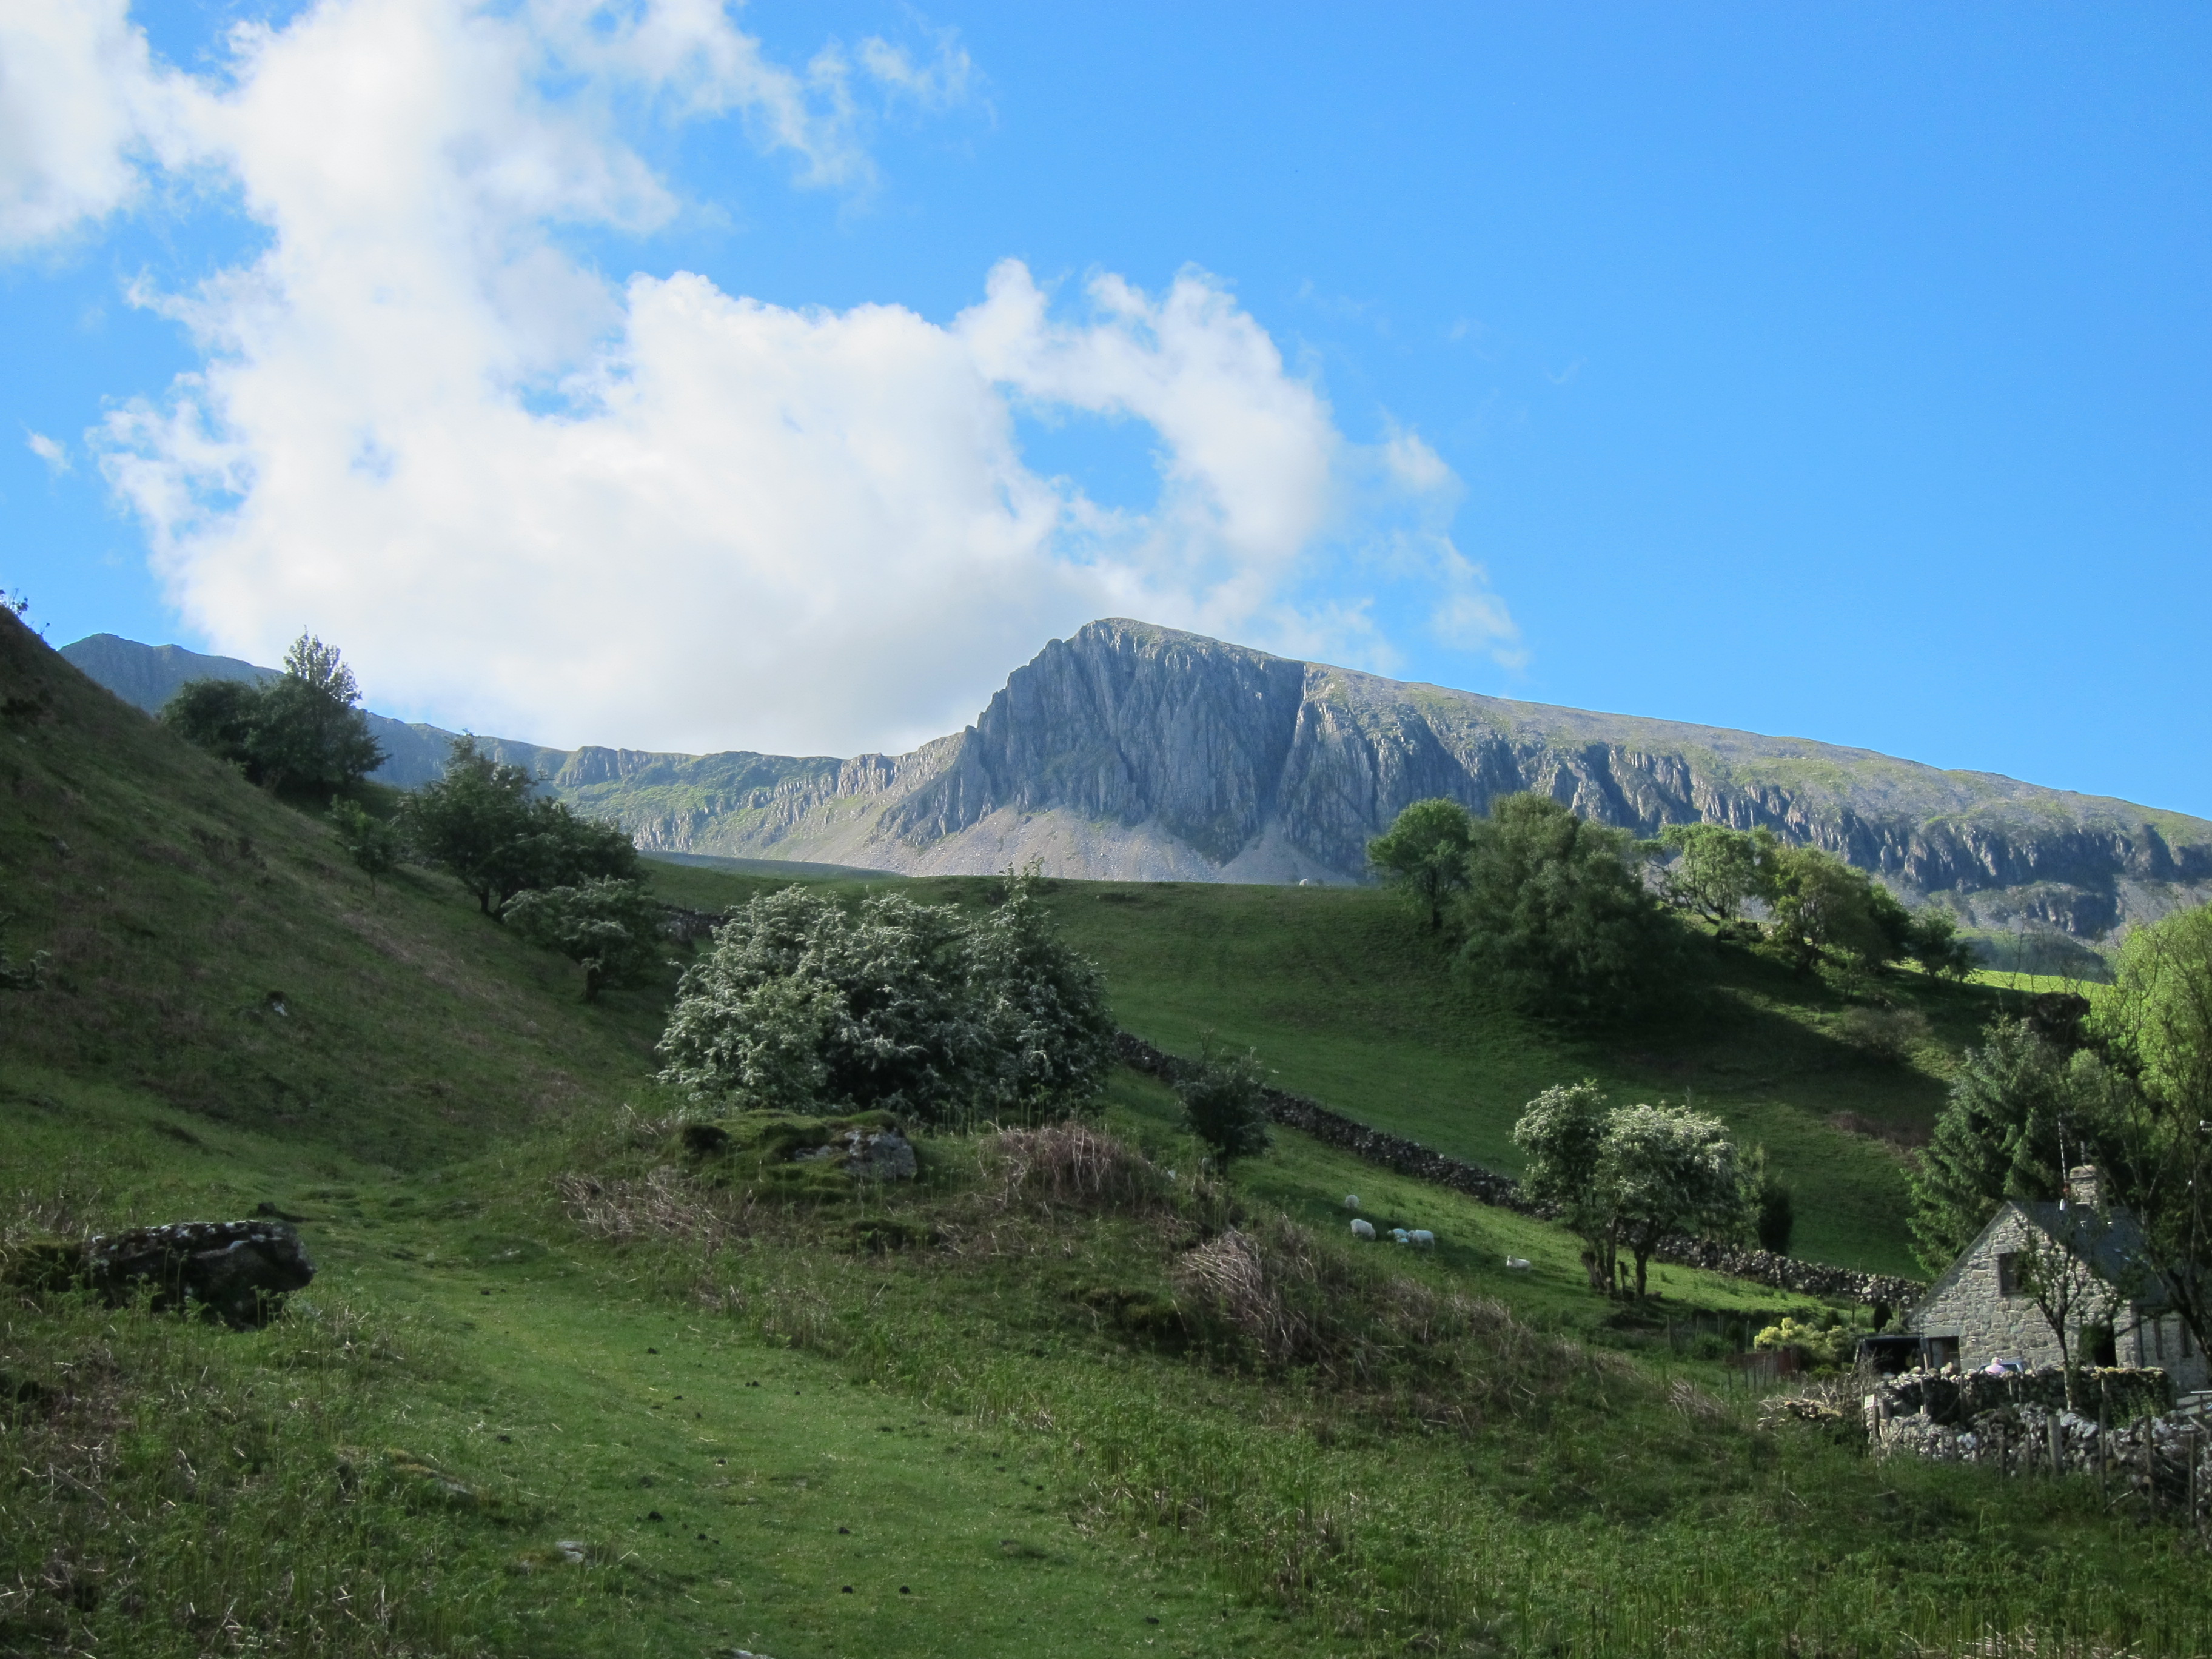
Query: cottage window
[[2009, 1274]]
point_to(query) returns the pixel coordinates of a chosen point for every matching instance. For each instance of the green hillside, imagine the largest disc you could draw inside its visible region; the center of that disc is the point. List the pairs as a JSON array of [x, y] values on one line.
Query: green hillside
[[1347, 1001], [558, 1388]]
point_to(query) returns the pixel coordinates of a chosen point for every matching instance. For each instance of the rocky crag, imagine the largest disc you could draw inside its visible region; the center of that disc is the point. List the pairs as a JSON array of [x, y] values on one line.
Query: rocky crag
[[1135, 752]]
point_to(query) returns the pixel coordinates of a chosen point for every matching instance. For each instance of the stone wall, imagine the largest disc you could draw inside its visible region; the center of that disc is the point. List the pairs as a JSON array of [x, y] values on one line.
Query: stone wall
[[1410, 1157]]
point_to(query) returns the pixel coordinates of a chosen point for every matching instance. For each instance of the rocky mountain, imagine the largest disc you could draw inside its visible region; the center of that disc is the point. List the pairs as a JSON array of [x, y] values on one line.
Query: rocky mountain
[[1135, 752], [149, 675]]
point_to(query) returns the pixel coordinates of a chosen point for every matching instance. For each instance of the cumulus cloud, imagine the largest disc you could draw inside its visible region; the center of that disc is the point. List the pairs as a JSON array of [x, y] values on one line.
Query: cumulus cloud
[[81, 105], [659, 513]]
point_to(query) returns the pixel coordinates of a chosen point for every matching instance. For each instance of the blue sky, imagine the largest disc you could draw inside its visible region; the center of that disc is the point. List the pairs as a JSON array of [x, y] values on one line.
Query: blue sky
[[658, 376]]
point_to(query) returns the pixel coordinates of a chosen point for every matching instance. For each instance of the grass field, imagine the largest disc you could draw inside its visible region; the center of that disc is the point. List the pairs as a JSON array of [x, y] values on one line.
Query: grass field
[[684, 1417]]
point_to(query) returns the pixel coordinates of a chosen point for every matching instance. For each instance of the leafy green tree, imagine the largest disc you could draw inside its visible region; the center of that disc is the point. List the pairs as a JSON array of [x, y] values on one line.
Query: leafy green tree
[[610, 929], [1624, 1177], [1667, 1169], [1562, 1135], [2156, 1023], [1933, 941], [2021, 1111], [1225, 1103], [481, 821], [299, 732], [801, 1006], [1556, 915], [216, 715], [1042, 1005], [371, 842], [1718, 870], [1424, 854], [1820, 905]]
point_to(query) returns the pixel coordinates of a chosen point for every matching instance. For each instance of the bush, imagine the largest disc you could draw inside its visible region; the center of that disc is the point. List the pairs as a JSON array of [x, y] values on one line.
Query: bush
[[1889, 1034], [373, 845], [903, 1006], [1224, 1105]]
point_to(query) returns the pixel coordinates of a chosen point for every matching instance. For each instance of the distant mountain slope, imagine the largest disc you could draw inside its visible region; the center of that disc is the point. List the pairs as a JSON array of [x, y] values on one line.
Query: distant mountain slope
[[149, 675], [1131, 751]]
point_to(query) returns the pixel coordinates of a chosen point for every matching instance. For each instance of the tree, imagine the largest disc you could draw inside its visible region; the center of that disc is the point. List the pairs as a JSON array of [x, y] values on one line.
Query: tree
[[1624, 1177], [608, 928], [2156, 1025], [1933, 941], [1042, 1005], [1562, 1133], [1225, 1103], [1424, 854], [1820, 905], [371, 843], [1555, 913], [299, 730], [1717, 871], [1665, 1169], [480, 822], [2021, 1111]]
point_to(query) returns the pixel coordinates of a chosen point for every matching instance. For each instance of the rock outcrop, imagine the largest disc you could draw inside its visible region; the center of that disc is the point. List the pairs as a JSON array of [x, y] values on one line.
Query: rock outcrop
[[240, 1272]]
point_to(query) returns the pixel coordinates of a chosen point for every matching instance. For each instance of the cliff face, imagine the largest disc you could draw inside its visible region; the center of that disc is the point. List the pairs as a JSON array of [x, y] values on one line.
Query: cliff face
[[1140, 753]]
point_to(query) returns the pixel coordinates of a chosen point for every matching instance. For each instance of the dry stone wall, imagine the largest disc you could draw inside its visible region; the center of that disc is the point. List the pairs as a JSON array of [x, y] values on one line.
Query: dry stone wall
[[1410, 1157]]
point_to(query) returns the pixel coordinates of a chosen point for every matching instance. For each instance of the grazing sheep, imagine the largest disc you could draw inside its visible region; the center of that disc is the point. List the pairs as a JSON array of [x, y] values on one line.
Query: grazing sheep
[[1362, 1229], [1399, 1236], [1421, 1239], [1518, 1264], [1351, 1200]]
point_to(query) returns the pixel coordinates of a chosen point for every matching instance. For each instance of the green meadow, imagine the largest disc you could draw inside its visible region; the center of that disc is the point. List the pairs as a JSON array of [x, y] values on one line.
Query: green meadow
[[563, 1387]]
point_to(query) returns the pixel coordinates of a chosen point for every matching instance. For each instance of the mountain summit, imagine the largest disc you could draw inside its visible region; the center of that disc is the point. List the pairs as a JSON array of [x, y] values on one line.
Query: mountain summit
[[1135, 752]]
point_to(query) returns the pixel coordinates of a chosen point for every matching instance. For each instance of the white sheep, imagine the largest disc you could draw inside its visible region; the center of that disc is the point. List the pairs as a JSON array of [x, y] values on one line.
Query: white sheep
[[1399, 1236], [1421, 1239], [1518, 1264], [1362, 1229], [1351, 1200]]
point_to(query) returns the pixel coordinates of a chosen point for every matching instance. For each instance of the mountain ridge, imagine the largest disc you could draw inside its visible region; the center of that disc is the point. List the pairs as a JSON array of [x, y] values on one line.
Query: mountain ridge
[[1133, 752]]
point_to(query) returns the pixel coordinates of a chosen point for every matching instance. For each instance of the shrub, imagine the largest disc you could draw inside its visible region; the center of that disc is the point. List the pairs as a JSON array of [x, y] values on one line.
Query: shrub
[[373, 845], [802, 1005], [1224, 1104], [480, 822], [1073, 1164], [1889, 1034]]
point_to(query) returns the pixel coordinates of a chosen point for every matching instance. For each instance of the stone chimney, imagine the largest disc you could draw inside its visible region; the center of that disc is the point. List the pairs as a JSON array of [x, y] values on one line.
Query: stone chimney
[[2085, 1185]]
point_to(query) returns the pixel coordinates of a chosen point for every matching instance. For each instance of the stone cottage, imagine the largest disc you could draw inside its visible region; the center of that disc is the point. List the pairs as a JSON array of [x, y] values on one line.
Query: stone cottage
[[1981, 1310]]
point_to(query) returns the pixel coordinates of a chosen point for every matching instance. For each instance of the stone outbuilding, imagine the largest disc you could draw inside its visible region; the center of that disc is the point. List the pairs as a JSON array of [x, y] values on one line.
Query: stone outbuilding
[[1983, 1309]]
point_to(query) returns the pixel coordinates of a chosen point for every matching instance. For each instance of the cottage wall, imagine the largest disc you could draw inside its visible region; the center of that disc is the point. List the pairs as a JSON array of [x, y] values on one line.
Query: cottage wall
[[1967, 1306]]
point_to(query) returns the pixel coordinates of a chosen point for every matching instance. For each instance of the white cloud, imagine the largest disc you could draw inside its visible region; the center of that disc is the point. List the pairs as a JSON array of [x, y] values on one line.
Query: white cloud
[[656, 513], [53, 454], [80, 101]]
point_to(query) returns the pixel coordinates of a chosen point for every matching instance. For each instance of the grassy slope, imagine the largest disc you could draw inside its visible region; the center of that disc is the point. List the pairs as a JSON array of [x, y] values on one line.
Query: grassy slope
[[160, 1479], [1348, 1003]]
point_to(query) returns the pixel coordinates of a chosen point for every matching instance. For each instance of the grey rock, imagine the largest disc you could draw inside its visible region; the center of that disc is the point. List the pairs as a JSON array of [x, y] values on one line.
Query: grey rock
[[237, 1271]]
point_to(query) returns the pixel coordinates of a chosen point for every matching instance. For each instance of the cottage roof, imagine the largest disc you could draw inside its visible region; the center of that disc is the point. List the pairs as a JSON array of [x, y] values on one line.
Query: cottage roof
[[2110, 1240]]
